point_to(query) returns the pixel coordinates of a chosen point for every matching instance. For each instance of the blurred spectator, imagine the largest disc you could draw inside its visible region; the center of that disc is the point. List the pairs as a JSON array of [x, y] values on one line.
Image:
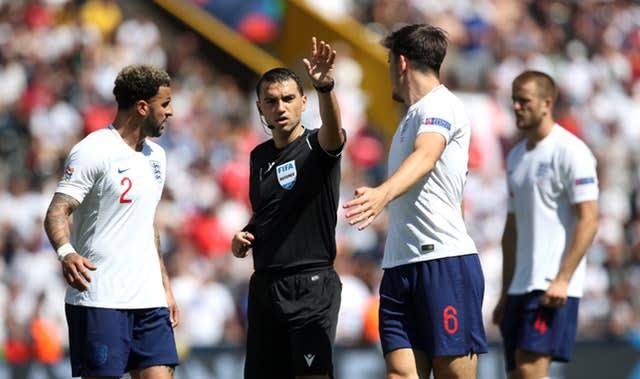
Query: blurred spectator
[[355, 297], [104, 15], [256, 20]]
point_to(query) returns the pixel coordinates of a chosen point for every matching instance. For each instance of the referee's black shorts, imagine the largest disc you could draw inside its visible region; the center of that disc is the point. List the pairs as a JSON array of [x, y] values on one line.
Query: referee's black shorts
[[292, 324]]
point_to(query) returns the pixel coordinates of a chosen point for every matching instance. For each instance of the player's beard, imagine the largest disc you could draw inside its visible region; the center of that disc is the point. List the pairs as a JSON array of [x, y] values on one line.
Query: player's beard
[[153, 127], [529, 122]]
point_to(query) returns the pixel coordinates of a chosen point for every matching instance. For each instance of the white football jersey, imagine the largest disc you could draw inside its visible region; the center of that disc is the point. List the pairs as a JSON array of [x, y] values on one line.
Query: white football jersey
[[118, 190], [426, 222], [544, 185]]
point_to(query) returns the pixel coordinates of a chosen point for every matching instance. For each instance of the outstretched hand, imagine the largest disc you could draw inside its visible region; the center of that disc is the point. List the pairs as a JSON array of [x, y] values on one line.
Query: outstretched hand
[[321, 63], [367, 204]]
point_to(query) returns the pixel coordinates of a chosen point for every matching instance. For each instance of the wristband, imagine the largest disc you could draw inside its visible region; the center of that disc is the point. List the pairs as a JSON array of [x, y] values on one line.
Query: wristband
[[327, 88], [64, 250]]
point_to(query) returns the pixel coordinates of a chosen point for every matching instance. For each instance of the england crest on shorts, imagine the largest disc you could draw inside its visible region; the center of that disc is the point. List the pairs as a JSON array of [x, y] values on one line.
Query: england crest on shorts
[[287, 174]]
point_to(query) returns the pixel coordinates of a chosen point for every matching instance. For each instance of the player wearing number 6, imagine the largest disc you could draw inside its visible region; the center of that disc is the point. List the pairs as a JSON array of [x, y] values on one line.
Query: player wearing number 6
[[432, 288], [119, 305]]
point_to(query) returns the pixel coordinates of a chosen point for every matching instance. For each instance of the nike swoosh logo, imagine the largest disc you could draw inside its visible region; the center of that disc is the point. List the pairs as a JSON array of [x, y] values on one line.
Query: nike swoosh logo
[[121, 170]]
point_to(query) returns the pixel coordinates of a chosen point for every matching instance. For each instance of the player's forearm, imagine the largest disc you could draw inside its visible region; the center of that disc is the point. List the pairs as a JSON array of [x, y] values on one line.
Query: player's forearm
[[508, 267], [331, 134], [56, 221], [166, 283], [509, 243], [582, 238], [163, 271], [414, 168]]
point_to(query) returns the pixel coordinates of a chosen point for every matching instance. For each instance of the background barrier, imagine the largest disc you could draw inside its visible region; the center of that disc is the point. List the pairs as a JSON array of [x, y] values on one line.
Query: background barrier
[[592, 360]]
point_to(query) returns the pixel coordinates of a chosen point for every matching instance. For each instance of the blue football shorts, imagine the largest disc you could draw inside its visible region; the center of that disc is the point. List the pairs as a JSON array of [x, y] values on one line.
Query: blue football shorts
[[110, 342], [528, 326], [434, 306]]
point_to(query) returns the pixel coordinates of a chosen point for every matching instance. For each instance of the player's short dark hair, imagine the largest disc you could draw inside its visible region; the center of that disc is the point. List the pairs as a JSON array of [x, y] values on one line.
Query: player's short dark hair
[[545, 85], [278, 75], [424, 45], [138, 82]]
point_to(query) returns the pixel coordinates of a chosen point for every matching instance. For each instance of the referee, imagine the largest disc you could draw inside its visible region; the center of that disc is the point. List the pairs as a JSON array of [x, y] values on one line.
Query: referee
[[294, 293]]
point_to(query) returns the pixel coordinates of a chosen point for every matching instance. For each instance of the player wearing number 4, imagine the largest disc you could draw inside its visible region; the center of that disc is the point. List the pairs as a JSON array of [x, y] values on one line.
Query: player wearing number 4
[[432, 287], [551, 221], [119, 305]]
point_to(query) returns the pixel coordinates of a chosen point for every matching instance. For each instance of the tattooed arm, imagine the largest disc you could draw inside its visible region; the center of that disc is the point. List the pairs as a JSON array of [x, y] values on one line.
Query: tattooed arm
[[56, 222], [174, 312], [75, 267]]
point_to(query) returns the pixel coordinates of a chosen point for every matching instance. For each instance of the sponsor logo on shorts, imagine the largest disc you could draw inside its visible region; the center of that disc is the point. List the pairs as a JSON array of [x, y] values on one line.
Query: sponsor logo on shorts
[[309, 358]]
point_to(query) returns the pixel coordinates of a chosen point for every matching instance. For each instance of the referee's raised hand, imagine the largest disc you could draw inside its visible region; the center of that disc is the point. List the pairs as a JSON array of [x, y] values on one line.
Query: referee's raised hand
[[321, 63]]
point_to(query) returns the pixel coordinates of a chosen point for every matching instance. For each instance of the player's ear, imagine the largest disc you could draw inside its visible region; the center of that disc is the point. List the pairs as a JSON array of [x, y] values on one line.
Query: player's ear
[[142, 107], [258, 106]]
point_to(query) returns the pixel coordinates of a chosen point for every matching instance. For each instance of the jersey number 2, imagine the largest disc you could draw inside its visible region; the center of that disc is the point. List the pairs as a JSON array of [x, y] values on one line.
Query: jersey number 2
[[127, 183]]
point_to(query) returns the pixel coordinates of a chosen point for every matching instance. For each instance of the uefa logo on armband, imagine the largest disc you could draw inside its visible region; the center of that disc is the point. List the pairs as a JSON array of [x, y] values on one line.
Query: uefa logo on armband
[[68, 173]]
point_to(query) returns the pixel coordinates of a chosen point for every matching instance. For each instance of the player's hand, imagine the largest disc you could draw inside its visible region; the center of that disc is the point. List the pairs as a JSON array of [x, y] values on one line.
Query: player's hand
[[241, 244], [321, 63], [174, 311], [75, 269], [498, 311], [367, 204], [556, 295]]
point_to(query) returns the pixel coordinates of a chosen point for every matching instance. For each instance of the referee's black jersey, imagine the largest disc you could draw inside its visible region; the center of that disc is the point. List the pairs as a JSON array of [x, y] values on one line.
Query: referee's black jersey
[[294, 194]]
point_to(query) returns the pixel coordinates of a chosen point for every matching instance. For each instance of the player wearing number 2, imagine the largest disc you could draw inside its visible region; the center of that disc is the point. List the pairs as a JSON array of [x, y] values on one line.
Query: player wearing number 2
[[432, 288], [119, 305]]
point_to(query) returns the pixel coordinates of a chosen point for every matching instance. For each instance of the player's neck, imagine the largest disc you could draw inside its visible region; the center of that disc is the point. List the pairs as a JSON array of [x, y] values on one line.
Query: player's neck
[[536, 135], [130, 132], [419, 85], [281, 139]]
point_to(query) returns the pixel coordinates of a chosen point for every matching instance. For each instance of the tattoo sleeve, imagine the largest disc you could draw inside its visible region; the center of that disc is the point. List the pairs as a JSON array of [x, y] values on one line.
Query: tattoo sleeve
[[56, 221]]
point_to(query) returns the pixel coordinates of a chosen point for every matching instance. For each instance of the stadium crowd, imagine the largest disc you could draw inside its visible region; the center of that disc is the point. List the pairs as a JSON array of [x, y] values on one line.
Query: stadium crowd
[[58, 60]]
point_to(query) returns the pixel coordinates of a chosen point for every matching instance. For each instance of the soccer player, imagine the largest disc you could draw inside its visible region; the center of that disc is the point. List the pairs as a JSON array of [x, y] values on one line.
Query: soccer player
[[119, 305], [432, 287], [294, 292], [551, 221]]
